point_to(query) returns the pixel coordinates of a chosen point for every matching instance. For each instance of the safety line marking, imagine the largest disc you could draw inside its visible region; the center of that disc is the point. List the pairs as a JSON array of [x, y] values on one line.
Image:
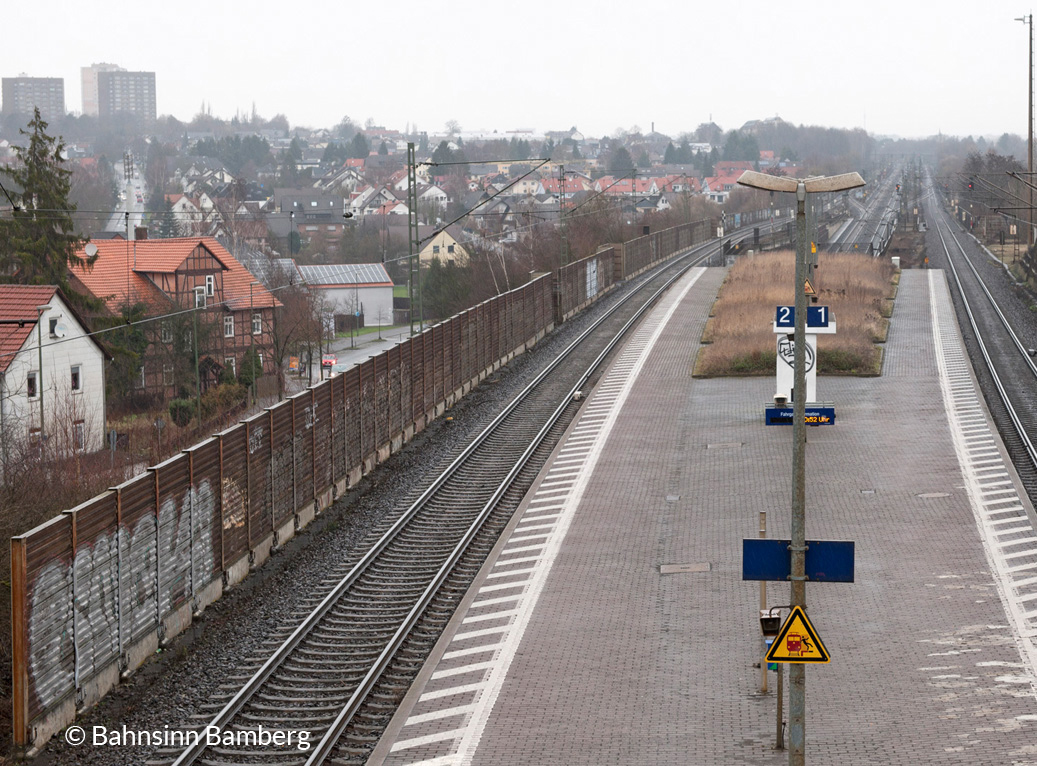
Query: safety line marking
[[590, 438], [959, 390]]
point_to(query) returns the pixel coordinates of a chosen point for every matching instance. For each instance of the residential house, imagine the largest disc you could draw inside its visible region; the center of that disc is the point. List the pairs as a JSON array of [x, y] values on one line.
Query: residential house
[[313, 213], [371, 200], [675, 183], [629, 187], [51, 375], [342, 180], [445, 246], [732, 168], [531, 184], [718, 188], [653, 203], [165, 277], [567, 188]]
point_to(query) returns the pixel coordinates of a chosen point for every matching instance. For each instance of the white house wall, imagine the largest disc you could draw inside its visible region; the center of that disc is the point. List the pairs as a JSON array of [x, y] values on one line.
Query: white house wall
[[376, 302], [61, 406]]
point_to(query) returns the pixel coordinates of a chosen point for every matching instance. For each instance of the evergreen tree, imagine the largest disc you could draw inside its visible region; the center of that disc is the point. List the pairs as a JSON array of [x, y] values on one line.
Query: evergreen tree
[[38, 240], [621, 161], [359, 148], [167, 225], [446, 289], [443, 153], [670, 156], [644, 161]]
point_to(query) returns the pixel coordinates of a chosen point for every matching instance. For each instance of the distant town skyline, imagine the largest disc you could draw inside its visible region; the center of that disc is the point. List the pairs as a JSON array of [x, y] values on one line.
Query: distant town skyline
[[889, 68]]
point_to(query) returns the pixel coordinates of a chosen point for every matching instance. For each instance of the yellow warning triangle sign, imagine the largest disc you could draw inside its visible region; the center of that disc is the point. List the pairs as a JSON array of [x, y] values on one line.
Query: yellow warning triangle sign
[[797, 641], [808, 288]]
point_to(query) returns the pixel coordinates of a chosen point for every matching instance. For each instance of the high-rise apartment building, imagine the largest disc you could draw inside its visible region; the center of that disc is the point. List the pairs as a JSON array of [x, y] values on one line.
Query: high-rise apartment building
[[132, 92], [22, 94], [89, 78]]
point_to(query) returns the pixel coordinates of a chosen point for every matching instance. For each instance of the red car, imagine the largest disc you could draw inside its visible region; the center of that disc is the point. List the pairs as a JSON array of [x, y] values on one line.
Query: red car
[[328, 360]]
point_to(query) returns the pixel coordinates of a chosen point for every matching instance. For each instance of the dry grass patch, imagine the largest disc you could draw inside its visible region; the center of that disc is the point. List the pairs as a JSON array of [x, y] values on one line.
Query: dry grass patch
[[858, 289]]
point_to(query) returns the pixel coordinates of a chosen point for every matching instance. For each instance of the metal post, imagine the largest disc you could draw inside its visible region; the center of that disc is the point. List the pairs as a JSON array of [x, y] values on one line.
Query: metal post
[[39, 383], [1030, 131], [797, 671], [414, 261], [763, 605], [779, 733], [197, 369], [252, 339]]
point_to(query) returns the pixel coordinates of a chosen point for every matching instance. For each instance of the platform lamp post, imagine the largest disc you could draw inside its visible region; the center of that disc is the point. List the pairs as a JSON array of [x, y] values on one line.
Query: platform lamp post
[[797, 671]]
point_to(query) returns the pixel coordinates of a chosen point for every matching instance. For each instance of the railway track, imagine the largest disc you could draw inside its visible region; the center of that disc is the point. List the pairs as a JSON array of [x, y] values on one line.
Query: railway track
[[339, 671], [1003, 363]]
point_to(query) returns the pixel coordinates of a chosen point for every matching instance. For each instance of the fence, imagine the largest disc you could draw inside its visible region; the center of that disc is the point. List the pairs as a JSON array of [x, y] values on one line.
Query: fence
[[98, 589]]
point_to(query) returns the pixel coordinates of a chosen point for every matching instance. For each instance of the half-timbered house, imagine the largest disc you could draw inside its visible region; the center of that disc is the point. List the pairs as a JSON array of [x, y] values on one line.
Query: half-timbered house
[[197, 295]]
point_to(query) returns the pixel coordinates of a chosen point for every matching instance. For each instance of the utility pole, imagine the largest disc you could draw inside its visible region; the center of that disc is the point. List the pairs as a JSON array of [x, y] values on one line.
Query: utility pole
[[1032, 236], [562, 260], [414, 268]]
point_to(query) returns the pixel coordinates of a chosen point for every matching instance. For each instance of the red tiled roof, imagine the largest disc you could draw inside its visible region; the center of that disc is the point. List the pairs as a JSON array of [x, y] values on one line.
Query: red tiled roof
[[120, 273], [19, 302]]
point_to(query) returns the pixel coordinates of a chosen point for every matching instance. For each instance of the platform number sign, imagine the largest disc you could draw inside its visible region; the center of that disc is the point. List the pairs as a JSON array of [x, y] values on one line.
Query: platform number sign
[[817, 316]]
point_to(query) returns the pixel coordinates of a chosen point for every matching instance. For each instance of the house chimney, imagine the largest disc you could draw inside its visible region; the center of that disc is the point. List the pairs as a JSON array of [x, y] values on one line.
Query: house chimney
[[140, 232]]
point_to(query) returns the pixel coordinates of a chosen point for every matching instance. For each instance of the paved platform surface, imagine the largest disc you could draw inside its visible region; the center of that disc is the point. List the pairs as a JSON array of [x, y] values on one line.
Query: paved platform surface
[[574, 646]]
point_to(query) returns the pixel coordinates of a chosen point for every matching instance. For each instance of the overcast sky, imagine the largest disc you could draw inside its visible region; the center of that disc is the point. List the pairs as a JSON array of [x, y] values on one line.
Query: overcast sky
[[904, 68]]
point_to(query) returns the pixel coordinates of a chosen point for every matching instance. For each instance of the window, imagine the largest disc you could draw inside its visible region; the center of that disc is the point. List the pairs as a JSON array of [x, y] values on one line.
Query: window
[[435, 249], [450, 248], [257, 323], [210, 284], [229, 364], [167, 333], [199, 298], [139, 383], [30, 385], [228, 326], [54, 327], [260, 355], [167, 374], [77, 381]]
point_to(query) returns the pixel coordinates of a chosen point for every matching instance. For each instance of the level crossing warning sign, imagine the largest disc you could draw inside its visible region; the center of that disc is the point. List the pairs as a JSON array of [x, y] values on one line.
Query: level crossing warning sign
[[797, 641]]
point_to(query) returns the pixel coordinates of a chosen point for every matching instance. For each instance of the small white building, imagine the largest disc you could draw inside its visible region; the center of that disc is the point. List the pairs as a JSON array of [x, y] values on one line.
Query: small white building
[[352, 289], [48, 363]]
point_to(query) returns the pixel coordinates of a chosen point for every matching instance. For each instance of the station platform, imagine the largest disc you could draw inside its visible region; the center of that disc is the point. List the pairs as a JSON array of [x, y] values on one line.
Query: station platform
[[612, 626]]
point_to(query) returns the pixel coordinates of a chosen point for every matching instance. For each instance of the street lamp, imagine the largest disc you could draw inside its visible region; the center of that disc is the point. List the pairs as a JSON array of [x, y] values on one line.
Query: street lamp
[[291, 228], [752, 179]]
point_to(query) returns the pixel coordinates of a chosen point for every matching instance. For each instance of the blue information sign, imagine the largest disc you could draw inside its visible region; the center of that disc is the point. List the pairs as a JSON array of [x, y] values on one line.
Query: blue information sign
[[817, 316], [827, 560]]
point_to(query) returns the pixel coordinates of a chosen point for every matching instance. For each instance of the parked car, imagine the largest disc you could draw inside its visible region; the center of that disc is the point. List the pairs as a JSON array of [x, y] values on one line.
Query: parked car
[[339, 368], [328, 360]]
